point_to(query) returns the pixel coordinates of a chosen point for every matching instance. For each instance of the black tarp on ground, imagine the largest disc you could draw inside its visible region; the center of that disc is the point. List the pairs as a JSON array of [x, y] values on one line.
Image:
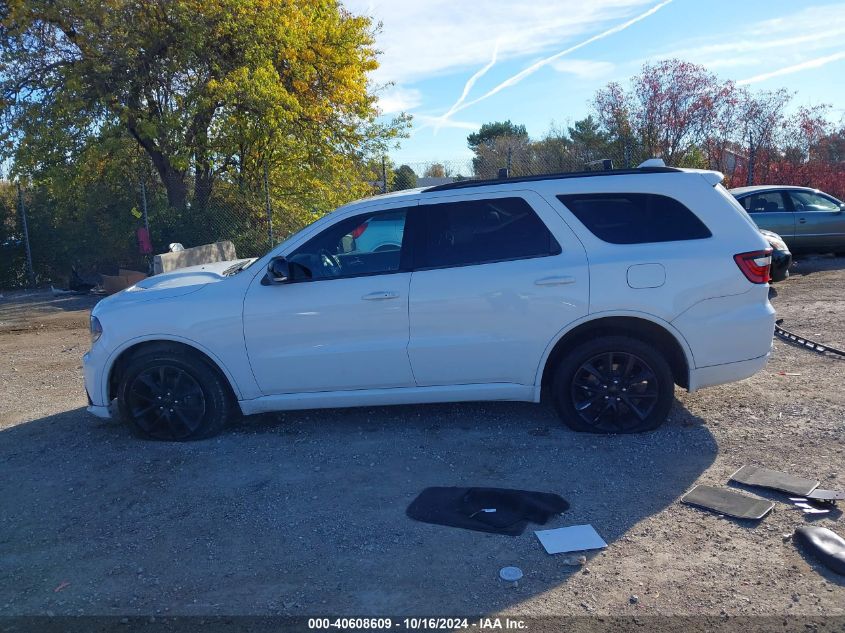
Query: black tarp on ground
[[464, 508]]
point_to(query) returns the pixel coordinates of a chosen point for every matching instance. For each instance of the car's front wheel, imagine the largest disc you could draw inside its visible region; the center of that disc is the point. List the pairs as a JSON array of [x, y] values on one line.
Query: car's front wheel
[[173, 396], [613, 384]]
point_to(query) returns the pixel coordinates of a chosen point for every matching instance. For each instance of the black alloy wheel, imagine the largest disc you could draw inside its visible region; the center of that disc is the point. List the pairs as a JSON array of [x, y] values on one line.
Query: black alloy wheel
[[614, 391], [166, 402], [613, 384]]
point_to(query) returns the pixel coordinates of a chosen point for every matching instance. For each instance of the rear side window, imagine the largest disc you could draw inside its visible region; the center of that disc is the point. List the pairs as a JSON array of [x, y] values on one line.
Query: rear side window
[[635, 218], [771, 202], [482, 231]]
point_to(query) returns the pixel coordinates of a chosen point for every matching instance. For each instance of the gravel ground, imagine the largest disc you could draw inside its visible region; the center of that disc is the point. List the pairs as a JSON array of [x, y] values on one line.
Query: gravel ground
[[302, 513]]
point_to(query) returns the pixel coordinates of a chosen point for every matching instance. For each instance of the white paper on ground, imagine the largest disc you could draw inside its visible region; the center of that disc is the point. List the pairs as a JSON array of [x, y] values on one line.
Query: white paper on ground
[[575, 538]]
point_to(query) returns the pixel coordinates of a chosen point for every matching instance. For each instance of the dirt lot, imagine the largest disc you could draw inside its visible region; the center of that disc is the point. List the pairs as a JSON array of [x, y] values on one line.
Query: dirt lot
[[303, 513]]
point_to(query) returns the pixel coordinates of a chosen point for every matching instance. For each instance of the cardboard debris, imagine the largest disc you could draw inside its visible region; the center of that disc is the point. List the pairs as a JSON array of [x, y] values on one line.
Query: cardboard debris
[[125, 278], [576, 538]]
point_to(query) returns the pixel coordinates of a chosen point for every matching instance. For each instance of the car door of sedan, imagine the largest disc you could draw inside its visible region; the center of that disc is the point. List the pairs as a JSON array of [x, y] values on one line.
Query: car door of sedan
[[819, 222], [345, 327], [491, 288], [771, 210]]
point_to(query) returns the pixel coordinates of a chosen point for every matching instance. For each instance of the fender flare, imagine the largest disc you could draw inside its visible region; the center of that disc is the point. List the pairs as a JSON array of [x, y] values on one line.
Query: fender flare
[[152, 338], [595, 316]]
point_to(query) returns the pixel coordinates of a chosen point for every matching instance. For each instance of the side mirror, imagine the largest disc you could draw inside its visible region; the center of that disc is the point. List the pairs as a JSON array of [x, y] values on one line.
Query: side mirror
[[278, 271]]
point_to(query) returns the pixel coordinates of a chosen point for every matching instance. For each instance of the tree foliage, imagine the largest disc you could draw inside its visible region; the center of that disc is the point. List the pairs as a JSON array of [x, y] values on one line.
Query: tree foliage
[[489, 132], [404, 178], [210, 90]]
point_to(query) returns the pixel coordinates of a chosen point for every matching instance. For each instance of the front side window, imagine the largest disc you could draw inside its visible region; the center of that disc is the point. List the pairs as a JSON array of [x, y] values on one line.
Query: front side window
[[771, 202], [481, 232], [365, 244], [635, 218], [808, 201]]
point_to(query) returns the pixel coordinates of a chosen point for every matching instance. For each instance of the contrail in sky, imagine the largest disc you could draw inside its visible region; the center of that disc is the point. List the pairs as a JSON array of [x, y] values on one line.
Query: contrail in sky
[[469, 84], [515, 79]]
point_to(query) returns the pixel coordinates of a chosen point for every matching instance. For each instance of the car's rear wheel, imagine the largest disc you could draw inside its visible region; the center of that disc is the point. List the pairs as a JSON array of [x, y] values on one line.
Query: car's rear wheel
[[613, 384], [172, 396]]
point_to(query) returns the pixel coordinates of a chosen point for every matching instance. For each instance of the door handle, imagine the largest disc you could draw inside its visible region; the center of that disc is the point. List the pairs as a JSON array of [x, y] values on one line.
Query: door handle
[[555, 281], [802, 221], [381, 295]]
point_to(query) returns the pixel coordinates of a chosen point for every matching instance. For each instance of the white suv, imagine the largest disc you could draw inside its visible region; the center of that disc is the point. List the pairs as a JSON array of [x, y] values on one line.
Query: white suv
[[599, 290]]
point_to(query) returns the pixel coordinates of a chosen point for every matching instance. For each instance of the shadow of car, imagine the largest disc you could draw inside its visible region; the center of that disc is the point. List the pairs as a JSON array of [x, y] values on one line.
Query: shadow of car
[[306, 510]]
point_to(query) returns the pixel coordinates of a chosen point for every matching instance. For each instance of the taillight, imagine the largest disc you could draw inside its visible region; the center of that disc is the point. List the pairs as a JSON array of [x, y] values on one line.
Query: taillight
[[755, 265], [359, 231]]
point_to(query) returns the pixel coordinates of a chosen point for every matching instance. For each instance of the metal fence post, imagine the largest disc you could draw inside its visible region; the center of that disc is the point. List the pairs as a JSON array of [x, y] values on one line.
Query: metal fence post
[[30, 272], [268, 204], [144, 205], [384, 174]]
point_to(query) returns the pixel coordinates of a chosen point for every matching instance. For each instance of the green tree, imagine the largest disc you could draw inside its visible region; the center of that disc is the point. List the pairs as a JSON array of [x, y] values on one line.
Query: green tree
[[490, 131], [435, 170], [588, 140], [209, 89], [404, 178]]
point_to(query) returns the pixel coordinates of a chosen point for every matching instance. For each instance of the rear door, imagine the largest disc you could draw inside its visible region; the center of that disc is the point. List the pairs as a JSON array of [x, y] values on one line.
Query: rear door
[[491, 288], [819, 222], [771, 210]]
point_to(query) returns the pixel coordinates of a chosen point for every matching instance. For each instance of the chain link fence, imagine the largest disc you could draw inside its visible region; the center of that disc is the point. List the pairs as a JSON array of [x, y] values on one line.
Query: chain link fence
[[95, 230]]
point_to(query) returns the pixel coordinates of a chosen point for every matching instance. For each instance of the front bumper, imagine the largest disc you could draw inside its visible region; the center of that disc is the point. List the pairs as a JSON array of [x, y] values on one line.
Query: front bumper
[[98, 404], [100, 412]]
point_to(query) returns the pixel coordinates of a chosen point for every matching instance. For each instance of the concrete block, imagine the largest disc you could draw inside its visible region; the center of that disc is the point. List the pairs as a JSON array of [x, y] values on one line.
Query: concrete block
[[205, 254]]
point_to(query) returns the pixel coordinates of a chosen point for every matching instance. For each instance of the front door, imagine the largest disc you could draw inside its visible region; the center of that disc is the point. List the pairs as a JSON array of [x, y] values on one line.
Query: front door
[[491, 288], [342, 321], [819, 222]]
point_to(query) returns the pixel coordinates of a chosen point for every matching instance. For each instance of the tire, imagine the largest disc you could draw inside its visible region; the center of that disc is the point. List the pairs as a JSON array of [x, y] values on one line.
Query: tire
[[149, 395], [586, 397]]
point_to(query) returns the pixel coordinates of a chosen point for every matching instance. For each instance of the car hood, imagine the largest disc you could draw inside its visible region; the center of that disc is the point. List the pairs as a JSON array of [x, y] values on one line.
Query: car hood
[[175, 283]]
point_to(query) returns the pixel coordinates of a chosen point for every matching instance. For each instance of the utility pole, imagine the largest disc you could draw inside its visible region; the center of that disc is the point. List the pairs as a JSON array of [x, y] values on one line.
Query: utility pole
[[30, 273], [751, 159], [384, 174], [268, 204], [144, 205]]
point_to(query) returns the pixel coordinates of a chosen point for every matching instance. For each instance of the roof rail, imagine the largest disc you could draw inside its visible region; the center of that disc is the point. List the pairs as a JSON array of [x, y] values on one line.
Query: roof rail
[[465, 184]]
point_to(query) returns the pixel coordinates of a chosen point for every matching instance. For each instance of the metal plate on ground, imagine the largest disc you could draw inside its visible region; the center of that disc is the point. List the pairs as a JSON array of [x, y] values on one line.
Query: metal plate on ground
[[826, 495], [765, 478], [728, 502]]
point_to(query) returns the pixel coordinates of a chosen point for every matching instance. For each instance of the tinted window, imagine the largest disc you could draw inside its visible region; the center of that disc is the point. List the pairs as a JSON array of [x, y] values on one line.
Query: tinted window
[[483, 231], [362, 245], [771, 202], [635, 218], [807, 201]]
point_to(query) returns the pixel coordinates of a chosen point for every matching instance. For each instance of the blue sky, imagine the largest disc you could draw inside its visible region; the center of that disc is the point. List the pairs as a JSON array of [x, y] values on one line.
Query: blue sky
[[512, 58]]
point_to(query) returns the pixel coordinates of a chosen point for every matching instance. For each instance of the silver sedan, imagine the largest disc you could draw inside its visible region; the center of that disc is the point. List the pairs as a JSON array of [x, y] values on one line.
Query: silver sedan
[[807, 219]]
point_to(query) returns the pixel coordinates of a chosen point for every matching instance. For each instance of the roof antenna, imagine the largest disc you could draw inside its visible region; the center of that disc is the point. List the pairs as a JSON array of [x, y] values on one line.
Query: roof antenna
[[504, 173]]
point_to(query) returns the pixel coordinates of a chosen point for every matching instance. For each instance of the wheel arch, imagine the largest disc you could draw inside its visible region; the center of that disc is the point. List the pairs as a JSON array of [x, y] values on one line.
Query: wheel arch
[[121, 358], [640, 326]]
